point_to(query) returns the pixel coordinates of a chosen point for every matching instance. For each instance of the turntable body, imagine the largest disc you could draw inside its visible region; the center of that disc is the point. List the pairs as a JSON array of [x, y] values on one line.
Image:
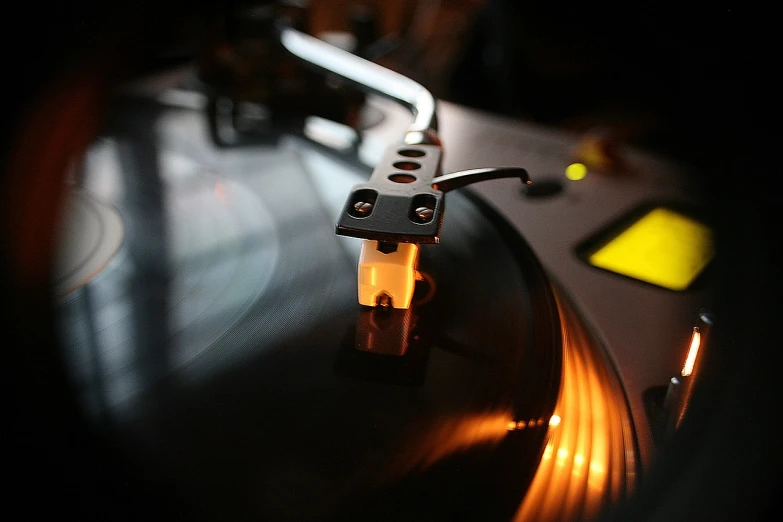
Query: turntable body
[[219, 340], [209, 330]]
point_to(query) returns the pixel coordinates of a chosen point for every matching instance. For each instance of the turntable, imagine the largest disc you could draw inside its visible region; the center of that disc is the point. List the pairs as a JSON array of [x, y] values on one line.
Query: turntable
[[281, 301]]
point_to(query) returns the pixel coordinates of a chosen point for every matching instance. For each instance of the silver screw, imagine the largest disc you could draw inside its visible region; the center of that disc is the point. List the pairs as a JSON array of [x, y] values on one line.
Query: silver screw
[[424, 214], [362, 207]]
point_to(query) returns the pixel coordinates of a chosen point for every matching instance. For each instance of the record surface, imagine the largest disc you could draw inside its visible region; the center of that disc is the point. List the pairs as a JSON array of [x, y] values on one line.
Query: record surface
[[218, 350]]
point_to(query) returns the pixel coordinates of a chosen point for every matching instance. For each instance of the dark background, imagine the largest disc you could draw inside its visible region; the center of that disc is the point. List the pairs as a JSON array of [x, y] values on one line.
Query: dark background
[[697, 84]]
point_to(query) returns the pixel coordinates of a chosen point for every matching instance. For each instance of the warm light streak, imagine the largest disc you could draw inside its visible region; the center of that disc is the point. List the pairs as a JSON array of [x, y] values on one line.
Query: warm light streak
[[596, 467], [548, 451], [587, 463], [445, 437], [532, 423], [687, 369]]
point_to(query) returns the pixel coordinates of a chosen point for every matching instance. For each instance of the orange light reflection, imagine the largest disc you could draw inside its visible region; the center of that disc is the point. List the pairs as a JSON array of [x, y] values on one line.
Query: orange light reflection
[[588, 462], [448, 436], [693, 351]]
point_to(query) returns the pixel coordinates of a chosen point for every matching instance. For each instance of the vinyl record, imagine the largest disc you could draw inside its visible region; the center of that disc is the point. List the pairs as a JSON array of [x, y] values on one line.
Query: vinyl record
[[219, 348]]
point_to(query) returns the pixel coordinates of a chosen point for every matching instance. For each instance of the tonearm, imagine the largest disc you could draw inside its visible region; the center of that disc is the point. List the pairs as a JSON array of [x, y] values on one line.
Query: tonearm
[[402, 204]]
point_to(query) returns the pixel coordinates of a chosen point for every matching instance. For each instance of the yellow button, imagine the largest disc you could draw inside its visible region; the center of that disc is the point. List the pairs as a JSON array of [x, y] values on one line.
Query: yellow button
[[664, 248]]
